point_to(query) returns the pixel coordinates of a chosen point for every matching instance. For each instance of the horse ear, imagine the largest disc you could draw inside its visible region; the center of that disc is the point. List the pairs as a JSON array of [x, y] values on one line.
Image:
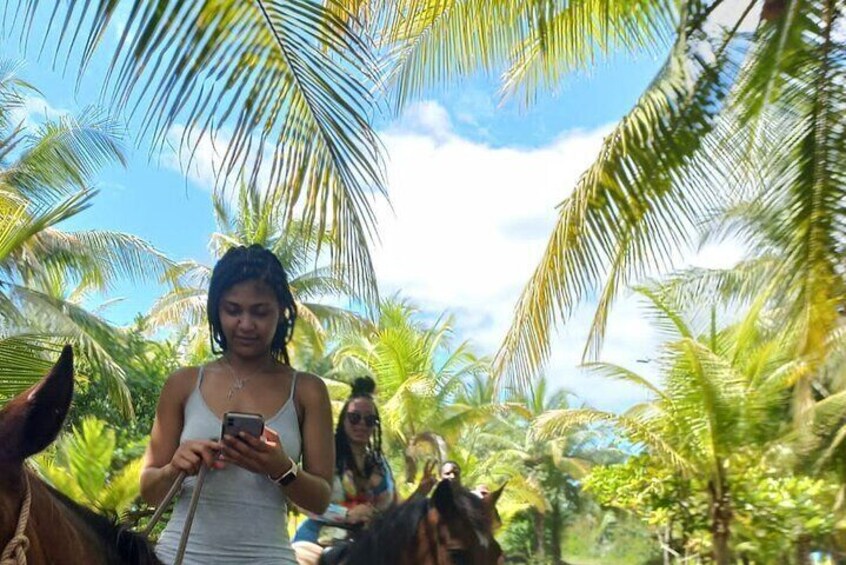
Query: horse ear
[[493, 497], [32, 420], [444, 498]]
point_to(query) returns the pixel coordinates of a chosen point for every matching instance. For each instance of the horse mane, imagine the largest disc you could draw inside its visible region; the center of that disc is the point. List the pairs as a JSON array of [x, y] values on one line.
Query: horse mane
[[119, 544]]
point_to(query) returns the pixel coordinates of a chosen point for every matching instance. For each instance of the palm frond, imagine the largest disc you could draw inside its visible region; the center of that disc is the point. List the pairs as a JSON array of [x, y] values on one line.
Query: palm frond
[[628, 213], [63, 156], [734, 286], [338, 320], [183, 305], [556, 422], [24, 360], [318, 283], [615, 372], [22, 225], [94, 339], [294, 84], [13, 92], [432, 43], [664, 314], [99, 258], [563, 37]]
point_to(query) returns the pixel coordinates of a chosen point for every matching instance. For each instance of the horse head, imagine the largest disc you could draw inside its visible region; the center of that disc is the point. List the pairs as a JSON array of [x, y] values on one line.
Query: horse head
[[38, 523], [32, 420], [466, 523], [453, 527], [28, 424]]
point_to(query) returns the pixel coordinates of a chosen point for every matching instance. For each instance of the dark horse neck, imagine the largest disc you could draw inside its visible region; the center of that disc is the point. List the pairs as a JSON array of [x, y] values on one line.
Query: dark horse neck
[[70, 533]]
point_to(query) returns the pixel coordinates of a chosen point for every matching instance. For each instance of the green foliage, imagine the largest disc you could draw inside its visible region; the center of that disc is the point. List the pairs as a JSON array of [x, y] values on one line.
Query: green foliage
[[81, 466], [774, 509], [518, 538], [608, 537], [653, 493], [719, 454], [147, 364]]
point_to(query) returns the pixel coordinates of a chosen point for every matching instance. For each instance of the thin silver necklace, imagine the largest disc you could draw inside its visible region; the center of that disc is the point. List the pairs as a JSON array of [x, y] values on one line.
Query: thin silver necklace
[[238, 383]]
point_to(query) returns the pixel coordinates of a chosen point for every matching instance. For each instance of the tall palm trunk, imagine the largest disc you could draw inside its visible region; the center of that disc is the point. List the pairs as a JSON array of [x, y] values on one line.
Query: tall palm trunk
[[720, 517], [556, 520], [540, 527]]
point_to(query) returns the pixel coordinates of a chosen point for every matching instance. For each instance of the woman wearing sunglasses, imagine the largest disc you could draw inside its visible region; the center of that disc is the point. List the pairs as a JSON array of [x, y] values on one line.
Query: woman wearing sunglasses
[[363, 483]]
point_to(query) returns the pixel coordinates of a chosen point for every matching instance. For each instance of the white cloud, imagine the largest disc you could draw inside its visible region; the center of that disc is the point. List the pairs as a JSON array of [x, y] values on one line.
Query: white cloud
[[728, 14], [34, 111], [469, 225], [469, 221], [198, 159], [723, 255], [426, 118]]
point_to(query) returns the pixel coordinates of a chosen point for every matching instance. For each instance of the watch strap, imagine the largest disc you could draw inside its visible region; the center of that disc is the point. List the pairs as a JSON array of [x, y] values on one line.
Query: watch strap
[[288, 476]]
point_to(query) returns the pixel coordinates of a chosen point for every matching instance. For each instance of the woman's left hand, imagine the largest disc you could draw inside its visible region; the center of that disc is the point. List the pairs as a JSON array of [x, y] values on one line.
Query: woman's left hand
[[264, 455]]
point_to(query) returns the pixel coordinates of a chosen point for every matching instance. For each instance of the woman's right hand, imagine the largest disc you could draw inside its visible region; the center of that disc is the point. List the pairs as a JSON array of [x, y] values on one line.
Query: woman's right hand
[[360, 514], [192, 453]]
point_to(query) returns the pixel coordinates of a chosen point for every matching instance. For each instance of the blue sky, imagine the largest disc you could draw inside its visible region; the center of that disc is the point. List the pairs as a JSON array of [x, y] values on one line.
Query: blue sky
[[474, 185]]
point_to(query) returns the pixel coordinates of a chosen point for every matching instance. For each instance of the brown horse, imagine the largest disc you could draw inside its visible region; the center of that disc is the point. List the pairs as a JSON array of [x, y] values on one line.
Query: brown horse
[[39, 525], [453, 527]]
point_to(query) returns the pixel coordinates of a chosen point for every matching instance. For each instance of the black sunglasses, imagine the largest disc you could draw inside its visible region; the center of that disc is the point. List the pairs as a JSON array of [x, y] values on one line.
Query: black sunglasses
[[355, 418]]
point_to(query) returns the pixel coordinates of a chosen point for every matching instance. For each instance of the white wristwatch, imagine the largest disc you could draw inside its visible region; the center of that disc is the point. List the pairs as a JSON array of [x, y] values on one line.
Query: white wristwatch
[[288, 476]]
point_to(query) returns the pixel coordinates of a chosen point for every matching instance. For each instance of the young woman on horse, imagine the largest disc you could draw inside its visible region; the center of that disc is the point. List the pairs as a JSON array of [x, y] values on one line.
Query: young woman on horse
[[242, 511], [363, 484]]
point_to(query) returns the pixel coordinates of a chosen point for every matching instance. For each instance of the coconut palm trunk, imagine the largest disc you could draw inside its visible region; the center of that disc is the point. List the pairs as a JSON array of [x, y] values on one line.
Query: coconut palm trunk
[[720, 517], [556, 519], [539, 521]]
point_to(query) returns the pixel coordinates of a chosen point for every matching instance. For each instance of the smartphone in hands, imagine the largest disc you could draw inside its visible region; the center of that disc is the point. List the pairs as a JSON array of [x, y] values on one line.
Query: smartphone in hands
[[236, 422]]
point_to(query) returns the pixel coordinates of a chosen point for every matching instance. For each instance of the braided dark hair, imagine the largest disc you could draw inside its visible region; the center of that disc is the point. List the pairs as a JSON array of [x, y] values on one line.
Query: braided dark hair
[[241, 264], [362, 387]]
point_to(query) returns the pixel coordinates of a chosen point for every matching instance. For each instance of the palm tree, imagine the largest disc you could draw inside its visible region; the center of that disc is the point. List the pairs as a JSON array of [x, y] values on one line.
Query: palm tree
[[288, 90], [553, 464], [476, 404], [723, 392], [489, 435], [257, 219], [45, 178], [747, 107]]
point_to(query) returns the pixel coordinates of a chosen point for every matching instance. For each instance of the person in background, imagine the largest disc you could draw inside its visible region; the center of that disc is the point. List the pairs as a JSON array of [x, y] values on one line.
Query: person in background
[[451, 471], [363, 484]]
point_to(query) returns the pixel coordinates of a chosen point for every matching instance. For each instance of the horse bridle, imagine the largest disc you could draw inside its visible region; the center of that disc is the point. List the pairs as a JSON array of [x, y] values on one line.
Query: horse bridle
[[15, 551], [459, 556]]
